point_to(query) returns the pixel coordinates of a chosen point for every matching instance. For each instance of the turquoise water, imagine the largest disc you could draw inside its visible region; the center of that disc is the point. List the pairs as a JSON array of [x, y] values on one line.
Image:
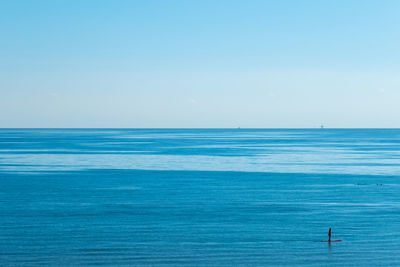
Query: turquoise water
[[199, 197]]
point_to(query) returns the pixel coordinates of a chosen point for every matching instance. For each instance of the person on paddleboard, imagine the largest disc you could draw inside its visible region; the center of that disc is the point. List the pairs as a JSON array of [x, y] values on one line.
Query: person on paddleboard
[[330, 237]]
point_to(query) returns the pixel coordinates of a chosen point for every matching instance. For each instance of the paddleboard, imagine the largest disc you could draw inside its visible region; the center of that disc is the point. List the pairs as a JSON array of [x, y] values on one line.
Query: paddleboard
[[336, 240]]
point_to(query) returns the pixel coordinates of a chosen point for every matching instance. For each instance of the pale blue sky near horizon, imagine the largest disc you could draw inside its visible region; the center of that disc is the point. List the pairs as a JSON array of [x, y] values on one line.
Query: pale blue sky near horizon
[[264, 64]]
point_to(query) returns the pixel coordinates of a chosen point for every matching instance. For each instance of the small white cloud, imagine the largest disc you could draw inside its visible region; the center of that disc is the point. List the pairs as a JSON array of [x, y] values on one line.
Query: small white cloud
[[381, 90], [192, 100]]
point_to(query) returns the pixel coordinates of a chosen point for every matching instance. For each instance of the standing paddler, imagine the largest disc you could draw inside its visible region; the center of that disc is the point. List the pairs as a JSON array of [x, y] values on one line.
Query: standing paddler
[[330, 234]]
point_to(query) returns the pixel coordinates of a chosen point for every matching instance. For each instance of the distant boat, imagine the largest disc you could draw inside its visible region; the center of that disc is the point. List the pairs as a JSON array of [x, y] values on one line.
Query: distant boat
[[322, 126]]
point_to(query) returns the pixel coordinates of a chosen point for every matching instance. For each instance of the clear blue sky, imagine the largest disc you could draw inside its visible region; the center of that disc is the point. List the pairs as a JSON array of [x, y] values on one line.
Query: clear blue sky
[[199, 63]]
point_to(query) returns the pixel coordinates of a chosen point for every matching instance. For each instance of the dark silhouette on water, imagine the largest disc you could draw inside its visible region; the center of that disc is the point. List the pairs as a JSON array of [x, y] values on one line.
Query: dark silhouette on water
[[330, 234], [330, 237]]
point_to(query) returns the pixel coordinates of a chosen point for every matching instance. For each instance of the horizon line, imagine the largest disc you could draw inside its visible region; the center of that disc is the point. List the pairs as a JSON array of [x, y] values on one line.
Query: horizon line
[[205, 128]]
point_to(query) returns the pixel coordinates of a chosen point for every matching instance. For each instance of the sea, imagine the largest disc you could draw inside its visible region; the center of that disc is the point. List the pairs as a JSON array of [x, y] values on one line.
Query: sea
[[199, 197]]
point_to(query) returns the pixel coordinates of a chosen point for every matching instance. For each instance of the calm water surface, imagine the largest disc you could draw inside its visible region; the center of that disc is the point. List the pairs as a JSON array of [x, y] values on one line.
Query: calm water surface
[[199, 197]]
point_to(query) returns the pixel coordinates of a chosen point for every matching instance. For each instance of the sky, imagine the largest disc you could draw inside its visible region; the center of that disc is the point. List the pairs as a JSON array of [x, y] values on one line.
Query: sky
[[190, 64]]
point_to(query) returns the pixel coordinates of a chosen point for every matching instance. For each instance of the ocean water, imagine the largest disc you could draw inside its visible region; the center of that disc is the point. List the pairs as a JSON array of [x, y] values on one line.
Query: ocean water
[[199, 197]]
